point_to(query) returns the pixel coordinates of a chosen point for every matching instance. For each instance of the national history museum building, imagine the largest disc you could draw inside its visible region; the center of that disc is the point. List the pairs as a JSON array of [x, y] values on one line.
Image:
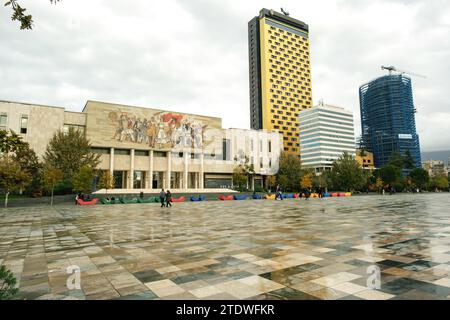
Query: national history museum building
[[148, 149]]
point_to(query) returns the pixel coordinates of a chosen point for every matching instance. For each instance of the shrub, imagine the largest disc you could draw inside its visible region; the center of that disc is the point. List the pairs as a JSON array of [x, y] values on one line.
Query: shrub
[[7, 284]]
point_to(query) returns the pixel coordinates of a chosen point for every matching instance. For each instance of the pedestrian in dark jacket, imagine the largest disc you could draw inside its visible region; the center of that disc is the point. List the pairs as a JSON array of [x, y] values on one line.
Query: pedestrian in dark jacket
[[162, 197], [168, 199]]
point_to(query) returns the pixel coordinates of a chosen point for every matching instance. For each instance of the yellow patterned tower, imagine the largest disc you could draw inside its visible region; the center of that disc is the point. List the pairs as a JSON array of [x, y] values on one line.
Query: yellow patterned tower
[[280, 75]]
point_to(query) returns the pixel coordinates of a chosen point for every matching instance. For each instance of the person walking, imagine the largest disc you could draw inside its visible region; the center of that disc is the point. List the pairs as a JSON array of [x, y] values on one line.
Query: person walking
[[278, 194], [307, 193], [162, 197], [168, 199], [320, 192]]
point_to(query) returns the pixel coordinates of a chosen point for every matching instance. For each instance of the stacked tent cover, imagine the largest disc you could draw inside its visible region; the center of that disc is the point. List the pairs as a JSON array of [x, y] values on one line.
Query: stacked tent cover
[[128, 201], [225, 198], [197, 199], [180, 199], [87, 203], [110, 202], [149, 200]]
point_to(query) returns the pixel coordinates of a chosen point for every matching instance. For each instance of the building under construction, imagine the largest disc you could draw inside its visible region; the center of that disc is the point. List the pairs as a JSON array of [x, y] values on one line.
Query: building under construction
[[388, 118]]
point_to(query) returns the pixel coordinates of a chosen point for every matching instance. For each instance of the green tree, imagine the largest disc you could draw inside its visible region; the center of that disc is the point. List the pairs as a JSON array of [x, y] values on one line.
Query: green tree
[[51, 176], [396, 160], [70, 152], [420, 178], [271, 182], [289, 172], [347, 174], [389, 174], [13, 146], [322, 180], [440, 182], [19, 14], [306, 181], [29, 161], [106, 181], [10, 142], [239, 176], [12, 177], [408, 161], [249, 168], [82, 180], [7, 284], [379, 184]]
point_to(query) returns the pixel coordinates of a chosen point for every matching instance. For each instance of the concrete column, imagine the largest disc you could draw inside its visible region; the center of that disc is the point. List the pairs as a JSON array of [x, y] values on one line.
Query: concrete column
[[111, 161], [150, 172], [169, 168], [186, 170], [131, 178], [253, 183], [202, 172]]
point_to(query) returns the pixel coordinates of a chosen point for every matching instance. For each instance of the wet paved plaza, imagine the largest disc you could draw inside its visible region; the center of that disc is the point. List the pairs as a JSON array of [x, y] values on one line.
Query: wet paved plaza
[[294, 249]]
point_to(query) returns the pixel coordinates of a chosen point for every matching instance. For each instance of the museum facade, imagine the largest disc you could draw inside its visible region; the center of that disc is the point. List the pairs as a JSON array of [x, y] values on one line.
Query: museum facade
[[149, 149]]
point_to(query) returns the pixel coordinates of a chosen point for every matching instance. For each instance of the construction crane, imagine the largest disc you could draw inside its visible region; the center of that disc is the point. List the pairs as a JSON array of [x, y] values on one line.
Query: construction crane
[[394, 69]]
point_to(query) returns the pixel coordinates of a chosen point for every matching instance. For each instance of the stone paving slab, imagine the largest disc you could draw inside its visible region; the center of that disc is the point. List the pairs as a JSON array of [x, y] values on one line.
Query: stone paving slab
[[292, 249]]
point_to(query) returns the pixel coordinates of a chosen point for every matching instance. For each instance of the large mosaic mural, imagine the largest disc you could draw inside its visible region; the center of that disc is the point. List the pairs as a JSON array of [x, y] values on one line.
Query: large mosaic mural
[[161, 130]]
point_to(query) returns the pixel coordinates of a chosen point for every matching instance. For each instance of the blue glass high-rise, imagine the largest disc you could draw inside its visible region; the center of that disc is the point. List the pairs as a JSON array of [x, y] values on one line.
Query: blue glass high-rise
[[388, 118]]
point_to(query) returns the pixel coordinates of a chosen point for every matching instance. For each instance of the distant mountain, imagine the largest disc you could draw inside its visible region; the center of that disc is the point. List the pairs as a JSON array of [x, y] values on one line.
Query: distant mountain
[[436, 155]]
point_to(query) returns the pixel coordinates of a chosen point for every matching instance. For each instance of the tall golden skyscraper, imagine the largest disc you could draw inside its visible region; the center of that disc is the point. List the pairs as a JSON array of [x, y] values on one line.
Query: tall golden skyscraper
[[280, 74]]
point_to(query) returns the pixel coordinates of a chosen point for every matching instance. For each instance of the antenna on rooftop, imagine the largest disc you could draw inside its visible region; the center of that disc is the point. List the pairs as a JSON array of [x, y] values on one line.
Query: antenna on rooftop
[[286, 13]]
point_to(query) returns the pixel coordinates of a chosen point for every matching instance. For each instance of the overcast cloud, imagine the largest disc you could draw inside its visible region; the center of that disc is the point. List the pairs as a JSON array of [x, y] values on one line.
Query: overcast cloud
[[192, 55]]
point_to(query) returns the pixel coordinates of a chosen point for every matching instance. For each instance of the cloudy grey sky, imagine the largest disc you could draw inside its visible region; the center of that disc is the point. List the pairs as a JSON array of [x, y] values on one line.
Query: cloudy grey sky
[[191, 55]]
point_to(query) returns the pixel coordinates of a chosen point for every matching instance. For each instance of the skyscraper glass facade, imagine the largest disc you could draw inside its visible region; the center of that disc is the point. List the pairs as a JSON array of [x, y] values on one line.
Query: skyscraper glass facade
[[388, 118]]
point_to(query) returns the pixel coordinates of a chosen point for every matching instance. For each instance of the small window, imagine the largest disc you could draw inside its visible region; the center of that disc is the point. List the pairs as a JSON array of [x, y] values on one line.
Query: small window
[[24, 124], [75, 127], [122, 152], [159, 154], [3, 121], [101, 150], [141, 153]]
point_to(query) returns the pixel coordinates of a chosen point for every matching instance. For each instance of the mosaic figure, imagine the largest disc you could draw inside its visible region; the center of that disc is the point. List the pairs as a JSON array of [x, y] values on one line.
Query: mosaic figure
[[161, 130]]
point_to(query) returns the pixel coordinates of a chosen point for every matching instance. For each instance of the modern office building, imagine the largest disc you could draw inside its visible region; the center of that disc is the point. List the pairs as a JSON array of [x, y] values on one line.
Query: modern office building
[[388, 118], [280, 74], [327, 132], [148, 149]]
